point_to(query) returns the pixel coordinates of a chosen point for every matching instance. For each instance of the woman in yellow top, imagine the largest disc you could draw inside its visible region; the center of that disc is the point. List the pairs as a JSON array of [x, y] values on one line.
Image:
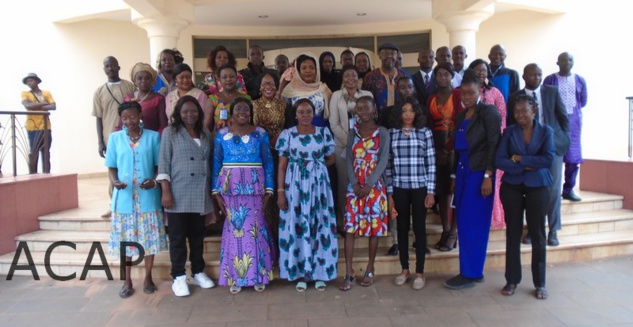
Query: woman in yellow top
[[221, 101]]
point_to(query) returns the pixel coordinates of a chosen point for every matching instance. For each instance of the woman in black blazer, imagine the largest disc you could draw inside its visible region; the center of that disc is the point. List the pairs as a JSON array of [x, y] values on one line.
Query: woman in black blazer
[[525, 154], [477, 132]]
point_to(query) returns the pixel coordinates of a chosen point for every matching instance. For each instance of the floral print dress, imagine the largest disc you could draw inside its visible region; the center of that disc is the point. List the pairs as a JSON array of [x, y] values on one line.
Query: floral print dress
[[242, 170], [308, 246], [367, 216]]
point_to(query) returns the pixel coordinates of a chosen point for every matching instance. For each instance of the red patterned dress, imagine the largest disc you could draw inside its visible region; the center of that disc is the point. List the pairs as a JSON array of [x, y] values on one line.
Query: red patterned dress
[[366, 216]]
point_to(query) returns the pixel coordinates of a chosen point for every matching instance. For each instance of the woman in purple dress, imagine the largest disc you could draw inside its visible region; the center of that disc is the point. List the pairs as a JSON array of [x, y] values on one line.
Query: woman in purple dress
[[242, 187]]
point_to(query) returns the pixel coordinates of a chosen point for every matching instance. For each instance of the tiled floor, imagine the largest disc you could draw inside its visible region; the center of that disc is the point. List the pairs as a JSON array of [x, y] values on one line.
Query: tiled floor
[[596, 293]]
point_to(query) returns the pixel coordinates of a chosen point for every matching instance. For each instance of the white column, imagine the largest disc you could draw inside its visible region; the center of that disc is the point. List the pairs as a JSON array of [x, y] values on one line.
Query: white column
[[163, 33], [462, 20]]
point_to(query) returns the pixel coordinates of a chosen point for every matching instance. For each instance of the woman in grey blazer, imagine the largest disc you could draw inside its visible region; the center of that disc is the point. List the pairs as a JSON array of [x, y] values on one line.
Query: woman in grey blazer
[[185, 176]]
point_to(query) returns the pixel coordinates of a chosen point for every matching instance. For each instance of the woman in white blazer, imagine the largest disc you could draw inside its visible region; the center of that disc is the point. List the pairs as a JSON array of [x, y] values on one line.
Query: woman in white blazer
[[342, 116]]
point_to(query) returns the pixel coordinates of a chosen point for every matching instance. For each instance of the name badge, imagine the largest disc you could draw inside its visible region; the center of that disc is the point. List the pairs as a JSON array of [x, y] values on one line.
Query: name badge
[[224, 114]]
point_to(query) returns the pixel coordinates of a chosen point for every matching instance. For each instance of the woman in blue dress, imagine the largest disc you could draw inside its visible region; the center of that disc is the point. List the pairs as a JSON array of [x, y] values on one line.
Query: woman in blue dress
[[242, 187], [476, 137], [308, 248]]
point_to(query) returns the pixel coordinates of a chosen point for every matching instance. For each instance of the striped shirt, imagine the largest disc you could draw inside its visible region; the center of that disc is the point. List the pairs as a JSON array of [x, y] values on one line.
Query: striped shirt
[[411, 160]]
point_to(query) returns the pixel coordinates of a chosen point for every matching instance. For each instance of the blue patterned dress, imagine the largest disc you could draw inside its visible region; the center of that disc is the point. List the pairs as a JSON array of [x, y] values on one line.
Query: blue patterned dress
[[308, 246], [242, 170]]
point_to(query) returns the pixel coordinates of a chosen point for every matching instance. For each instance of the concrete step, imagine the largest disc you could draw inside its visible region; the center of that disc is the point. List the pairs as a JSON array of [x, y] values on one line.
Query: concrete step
[[573, 224], [573, 248], [89, 218]]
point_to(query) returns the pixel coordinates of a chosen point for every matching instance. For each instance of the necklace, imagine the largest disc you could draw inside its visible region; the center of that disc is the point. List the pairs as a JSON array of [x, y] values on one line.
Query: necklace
[[134, 139], [407, 131], [138, 94]]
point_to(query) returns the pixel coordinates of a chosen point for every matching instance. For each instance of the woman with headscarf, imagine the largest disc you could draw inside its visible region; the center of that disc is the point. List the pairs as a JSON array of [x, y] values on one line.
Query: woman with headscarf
[[153, 104], [305, 83], [491, 95], [363, 63], [184, 86], [329, 75]]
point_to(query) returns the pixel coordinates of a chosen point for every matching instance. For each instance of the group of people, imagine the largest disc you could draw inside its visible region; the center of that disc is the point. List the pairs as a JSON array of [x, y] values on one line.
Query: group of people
[[290, 158]]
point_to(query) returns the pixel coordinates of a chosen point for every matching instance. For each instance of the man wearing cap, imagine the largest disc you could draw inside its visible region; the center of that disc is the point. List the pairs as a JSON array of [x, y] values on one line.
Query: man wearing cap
[[106, 102], [381, 82], [38, 127]]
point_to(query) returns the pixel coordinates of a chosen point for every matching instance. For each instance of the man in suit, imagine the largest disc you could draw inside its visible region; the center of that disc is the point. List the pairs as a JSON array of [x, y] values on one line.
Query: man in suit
[[424, 80], [551, 112]]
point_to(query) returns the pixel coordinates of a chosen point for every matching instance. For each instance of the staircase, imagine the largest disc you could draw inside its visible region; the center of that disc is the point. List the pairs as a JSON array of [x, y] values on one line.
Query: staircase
[[595, 228]]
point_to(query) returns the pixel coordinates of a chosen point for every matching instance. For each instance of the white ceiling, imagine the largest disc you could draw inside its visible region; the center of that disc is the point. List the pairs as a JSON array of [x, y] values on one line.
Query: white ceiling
[[308, 12]]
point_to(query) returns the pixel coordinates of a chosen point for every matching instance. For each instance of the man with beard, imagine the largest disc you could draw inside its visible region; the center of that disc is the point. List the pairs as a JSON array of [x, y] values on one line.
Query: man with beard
[[381, 82]]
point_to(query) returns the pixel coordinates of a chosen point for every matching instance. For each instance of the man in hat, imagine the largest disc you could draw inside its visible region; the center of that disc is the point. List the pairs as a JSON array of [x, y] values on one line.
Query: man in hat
[[381, 82], [106, 102], [38, 127]]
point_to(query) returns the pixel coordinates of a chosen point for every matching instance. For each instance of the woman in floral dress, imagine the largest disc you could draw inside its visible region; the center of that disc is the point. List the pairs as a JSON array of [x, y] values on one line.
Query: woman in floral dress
[[366, 210], [242, 186], [132, 161], [308, 249]]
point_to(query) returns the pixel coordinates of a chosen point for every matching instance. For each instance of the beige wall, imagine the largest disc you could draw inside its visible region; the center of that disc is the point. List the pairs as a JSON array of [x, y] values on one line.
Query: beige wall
[[68, 57]]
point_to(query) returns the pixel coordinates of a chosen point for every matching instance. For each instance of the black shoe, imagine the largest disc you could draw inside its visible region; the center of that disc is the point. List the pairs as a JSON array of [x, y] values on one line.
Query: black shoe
[[571, 196], [526, 239], [479, 280], [552, 239], [393, 250], [459, 282], [427, 251]]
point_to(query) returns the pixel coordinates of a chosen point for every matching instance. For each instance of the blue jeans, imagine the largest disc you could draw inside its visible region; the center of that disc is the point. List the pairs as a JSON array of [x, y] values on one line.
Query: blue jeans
[[40, 142]]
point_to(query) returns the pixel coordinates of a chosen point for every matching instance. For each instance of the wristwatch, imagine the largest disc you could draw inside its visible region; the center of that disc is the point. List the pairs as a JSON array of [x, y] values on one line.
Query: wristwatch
[[486, 176]]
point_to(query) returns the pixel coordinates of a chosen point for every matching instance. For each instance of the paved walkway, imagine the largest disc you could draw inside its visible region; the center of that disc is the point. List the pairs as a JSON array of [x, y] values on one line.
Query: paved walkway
[[597, 293]]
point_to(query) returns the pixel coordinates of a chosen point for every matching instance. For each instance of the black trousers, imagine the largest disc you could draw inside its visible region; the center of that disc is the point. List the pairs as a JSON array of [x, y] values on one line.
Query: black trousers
[[534, 201], [410, 206], [182, 227]]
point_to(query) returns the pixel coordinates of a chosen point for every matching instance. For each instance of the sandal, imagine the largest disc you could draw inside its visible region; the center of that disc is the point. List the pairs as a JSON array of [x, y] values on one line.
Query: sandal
[[541, 293], [450, 244], [368, 279], [149, 289], [347, 283], [320, 286], [301, 287], [259, 287], [442, 240], [235, 289], [509, 289], [126, 292]]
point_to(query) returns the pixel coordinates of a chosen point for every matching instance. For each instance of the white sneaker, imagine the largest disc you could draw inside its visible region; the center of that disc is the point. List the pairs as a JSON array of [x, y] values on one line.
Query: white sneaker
[[180, 287], [201, 279]]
